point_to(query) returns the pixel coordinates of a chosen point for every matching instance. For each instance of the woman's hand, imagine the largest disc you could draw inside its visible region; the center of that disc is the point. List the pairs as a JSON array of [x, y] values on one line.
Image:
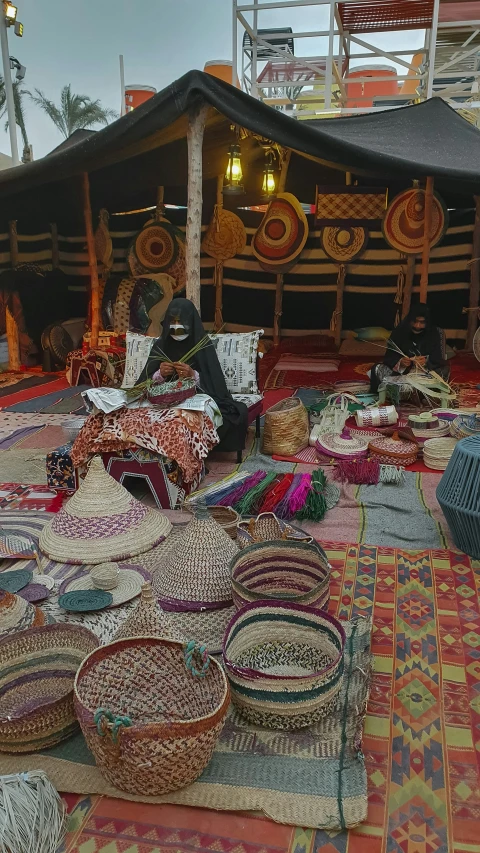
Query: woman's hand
[[184, 371], [421, 360], [405, 362], [166, 369]]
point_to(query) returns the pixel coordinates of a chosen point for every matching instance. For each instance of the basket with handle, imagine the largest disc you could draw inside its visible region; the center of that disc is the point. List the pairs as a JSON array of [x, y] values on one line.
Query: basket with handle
[[286, 428], [151, 711]]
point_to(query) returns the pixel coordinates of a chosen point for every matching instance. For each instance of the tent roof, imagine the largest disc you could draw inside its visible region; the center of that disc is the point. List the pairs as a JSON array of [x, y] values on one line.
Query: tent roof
[[411, 142]]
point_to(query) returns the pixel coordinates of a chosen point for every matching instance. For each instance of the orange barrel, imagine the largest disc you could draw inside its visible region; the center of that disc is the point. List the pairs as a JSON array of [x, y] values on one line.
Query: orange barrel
[[220, 68], [362, 94], [136, 95]]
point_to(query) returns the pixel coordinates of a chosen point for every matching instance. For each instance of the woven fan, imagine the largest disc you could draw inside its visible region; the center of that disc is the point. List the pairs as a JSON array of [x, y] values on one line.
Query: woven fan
[[226, 235]]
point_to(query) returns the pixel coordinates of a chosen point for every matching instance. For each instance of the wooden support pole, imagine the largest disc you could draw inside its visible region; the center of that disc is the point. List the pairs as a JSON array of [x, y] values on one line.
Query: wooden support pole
[[407, 293], [55, 248], [12, 341], [160, 210], [474, 278], [92, 262], [427, 227], [196, 127], [12, 233], [337, 317], [219, 267], [277, 324]]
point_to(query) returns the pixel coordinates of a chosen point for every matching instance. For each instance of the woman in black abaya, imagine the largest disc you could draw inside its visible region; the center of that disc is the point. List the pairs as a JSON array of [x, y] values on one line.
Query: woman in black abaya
[[421, 344], [182, 329]]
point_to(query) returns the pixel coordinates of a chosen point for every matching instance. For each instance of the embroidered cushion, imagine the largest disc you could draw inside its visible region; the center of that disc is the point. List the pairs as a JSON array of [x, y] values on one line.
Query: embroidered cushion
[[237, 354], [137, 351]]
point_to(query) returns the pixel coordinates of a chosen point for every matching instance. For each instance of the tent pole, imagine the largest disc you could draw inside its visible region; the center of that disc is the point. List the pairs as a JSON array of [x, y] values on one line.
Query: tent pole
[[196, 127], [12, 340], [219, 267], [427, 227], [13, 237], [92, 261], [55, 249], [474, 278], [407, 293], [279, 281]]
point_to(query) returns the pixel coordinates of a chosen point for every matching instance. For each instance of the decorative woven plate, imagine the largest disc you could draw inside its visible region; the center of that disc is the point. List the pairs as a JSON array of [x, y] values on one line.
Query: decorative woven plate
[[343, 243], [14, 581], [281, 235], [129, 586], [404, 219], [45, 580], [156, 246], [83, 600], [342, 447], [393, 450], [33, 592], [226, 235]]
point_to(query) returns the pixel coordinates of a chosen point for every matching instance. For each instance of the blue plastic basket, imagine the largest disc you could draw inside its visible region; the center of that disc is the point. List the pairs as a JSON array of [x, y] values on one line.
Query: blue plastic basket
[[458, 494]]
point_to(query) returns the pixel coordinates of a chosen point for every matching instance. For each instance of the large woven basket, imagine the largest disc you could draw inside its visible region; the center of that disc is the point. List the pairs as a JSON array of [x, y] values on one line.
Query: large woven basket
[[290, 571], [37, 670], [171, 393], [286, 428], [151, 711], [284, 662]]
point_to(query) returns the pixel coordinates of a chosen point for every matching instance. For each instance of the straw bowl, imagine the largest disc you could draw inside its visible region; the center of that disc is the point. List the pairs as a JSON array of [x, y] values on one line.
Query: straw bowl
[[151, 711], [284, 662], [281, 570], [37, 670]]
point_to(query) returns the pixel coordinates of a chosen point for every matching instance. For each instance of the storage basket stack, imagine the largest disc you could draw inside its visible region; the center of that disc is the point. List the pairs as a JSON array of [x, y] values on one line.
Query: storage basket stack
[[286, 428], [465, 425], [437, 452]]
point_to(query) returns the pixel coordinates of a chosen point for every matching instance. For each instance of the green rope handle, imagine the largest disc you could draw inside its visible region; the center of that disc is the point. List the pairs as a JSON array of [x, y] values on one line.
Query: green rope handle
[[103, 717], [192, 648]]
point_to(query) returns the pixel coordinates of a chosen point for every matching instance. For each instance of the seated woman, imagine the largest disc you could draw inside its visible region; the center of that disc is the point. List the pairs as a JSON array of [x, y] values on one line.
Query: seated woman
[[182, 329], [421, 344]]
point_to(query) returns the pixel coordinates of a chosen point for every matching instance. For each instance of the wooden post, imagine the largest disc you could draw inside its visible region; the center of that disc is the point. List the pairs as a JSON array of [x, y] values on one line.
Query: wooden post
[[219, 267], [407, 293], [160, 210], [12, 232], [474, 278], [337, 317], [12, 340], [92, 262], [55, 249], [279, 282], [196, 127], [427, 227]]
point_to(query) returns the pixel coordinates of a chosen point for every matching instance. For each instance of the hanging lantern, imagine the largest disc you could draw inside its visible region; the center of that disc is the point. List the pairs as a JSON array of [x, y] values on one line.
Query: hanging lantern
[[269, 186], [234, 174]]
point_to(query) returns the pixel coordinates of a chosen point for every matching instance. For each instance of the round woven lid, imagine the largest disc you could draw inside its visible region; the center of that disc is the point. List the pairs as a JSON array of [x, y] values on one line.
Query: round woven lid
[[156, 246], [344, 243], [404, 221], [281, 235], [196, 575], [15, 580], [34, 592], [129, 586], [342, 446], [439, 448], [226, 235], [393, 445], [425, 420], [16, 614], [102, 522]]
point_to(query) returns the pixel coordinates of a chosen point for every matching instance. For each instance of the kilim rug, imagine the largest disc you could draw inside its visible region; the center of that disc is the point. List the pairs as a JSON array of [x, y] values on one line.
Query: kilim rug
[[14, 496], [422, 731]]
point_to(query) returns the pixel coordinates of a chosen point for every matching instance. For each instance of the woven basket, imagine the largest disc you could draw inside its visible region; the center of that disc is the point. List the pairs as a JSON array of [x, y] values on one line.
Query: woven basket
[[290, 571], [286, 428], [37, 670], [266, 527], [225, 516], [437, 452], [150, 713], [284, 662], [171, 393], [393, 450]]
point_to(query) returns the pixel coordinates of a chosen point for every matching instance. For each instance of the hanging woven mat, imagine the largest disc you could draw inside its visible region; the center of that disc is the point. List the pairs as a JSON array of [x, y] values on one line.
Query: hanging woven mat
[[403, 224], [226, 235], [281, 235]]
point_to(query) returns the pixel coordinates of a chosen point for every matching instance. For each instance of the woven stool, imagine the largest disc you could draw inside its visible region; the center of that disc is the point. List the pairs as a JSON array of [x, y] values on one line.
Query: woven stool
[[458, 494]]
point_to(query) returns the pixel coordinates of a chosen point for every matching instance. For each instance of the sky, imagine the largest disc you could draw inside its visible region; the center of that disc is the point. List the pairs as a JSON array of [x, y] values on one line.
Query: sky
[[79, 42]]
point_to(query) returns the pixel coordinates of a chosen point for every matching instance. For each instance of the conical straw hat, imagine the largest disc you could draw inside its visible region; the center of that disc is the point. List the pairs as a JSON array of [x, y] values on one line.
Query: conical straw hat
[[16, 614], [196, 575], [102, 522], [148, 620]]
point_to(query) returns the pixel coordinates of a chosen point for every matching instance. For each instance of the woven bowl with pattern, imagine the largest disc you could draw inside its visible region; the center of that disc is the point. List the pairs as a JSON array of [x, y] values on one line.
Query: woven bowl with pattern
[[285, 663], [171, 393], [281, 570], [37, 671], [150, 721]]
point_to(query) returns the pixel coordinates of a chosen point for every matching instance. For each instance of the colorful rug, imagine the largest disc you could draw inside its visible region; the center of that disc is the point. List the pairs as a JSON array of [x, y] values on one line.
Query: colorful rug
[[48, 382], [421, 740], [62, 401], [18, 497]]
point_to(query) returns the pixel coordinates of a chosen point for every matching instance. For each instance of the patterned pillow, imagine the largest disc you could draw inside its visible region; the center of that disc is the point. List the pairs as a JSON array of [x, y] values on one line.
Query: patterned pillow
[[137, 351], [237, 354]]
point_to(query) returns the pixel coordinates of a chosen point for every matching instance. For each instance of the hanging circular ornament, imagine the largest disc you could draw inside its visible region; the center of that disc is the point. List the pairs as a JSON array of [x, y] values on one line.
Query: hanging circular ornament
[[155, 246], [281, 235], [226, 235], [404, 219], [343, 243]]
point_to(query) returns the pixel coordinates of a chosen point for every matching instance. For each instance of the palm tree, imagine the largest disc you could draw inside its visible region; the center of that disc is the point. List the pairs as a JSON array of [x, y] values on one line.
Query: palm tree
[[75, 111], [18, 100]]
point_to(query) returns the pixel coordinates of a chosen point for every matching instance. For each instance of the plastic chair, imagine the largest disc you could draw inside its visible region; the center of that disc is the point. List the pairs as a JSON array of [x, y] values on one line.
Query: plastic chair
[[458, 494]]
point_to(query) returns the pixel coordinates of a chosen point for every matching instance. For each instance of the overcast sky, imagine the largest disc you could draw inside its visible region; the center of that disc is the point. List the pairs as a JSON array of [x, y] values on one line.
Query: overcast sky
[[79, 42]]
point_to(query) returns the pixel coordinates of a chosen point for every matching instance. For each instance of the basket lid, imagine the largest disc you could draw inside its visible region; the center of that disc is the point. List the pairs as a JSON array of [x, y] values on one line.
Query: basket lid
[[148, 619], [393, 444], [17, 614], [101, 522]]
